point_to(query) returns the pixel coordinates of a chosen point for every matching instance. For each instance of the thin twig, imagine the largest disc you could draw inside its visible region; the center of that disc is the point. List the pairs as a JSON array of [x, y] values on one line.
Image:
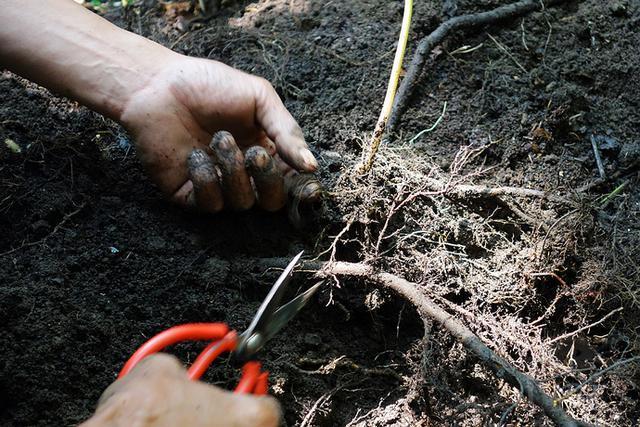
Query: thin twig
[[546, 43], [632, 168], [61, 224], [595, 376], [524, 41], [463, 50], [509, 54], [596, 153], [584, 328]]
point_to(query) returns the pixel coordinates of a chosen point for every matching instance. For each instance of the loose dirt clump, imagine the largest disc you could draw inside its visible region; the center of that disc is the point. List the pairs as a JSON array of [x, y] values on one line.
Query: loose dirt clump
[[498, 214]]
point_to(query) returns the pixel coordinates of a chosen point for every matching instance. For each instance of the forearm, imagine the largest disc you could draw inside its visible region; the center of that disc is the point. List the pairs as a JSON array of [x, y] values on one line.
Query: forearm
[[74, 52]]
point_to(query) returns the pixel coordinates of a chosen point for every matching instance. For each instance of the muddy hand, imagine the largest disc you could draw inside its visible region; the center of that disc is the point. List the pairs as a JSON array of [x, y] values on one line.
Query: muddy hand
[[224, 178], [174, 117], [171, 104], [157, 393]]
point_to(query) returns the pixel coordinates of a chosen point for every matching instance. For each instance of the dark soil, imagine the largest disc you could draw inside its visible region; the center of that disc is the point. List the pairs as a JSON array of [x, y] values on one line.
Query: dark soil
[[92, 260]]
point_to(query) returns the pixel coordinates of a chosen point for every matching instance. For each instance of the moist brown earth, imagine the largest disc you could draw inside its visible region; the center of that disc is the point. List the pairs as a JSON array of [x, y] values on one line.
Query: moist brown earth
[[93, 261]]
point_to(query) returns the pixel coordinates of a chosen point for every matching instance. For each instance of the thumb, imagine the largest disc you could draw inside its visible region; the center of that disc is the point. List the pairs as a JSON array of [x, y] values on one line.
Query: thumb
[[281, 127]]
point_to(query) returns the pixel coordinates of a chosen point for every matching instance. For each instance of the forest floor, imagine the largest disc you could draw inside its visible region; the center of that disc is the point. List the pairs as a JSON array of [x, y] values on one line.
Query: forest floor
[[92, 260]]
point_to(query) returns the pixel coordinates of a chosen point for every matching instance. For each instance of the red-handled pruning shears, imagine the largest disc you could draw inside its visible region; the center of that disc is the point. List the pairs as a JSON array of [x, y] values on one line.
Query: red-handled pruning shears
[[270, 318]]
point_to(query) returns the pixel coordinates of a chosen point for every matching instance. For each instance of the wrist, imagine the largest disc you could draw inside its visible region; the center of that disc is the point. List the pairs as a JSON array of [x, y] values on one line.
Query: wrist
[[123, 72], [78, 54], [144, 96]]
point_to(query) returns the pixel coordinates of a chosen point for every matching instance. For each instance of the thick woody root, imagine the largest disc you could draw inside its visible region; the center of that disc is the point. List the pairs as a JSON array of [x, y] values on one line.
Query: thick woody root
[[429, 309], [456, 24]]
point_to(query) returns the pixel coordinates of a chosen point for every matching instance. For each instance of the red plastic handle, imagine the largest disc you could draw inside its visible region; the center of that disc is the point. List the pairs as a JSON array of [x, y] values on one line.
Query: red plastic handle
[[210, 353], [252, 380], [189, 331]]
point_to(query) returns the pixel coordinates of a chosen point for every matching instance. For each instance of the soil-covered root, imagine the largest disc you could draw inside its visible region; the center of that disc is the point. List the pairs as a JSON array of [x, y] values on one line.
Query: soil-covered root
[[457, 23], [506, 260], [305, 197], [430, 310]]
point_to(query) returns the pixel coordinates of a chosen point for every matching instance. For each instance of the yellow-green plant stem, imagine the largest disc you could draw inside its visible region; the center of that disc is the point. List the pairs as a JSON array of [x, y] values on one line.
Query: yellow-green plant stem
[[376, 138], [606, 199]]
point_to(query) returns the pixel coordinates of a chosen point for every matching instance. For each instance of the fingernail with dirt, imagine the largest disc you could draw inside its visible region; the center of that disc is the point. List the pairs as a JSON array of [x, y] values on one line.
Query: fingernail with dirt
[[236, 185], [267, 179], [310, 162], [206, 191]]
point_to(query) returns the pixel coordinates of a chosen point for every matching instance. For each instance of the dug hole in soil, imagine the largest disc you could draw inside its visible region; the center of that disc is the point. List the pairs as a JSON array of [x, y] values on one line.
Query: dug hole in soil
[[93, 261]]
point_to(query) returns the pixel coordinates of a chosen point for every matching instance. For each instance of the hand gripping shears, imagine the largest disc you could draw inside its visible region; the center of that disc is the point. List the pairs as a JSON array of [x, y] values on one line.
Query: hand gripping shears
[[270, 318]]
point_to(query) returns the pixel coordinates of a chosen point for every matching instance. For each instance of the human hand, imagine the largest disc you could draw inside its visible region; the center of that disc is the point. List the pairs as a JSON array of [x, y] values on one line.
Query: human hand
[[170, 103], [157, 393], [173, 117]]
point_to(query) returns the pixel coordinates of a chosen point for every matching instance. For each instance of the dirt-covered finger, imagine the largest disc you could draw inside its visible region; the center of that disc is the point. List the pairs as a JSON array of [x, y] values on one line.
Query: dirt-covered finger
[[206, 193], [267, 179], [236, 185], [262, 140]]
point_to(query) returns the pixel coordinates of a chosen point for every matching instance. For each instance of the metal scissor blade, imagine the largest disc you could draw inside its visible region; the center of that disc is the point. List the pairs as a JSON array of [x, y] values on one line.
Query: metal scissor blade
[[252, 340], [285, 313], [271, 303]]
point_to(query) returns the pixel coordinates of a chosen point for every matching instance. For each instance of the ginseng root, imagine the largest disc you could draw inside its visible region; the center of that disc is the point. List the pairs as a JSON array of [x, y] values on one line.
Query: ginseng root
[[305, 194]]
